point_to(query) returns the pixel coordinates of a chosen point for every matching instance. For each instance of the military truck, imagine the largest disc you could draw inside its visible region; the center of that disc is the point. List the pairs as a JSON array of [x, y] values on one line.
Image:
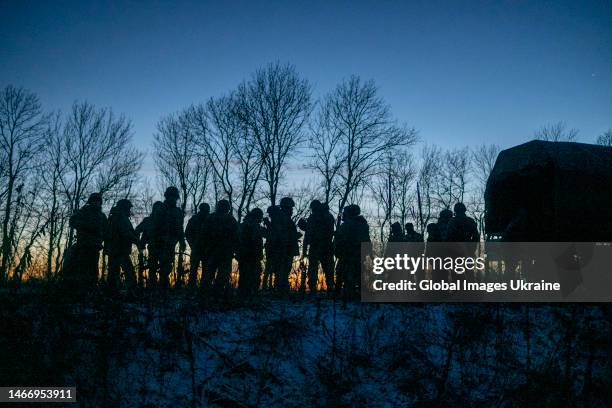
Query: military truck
[[550, 192]]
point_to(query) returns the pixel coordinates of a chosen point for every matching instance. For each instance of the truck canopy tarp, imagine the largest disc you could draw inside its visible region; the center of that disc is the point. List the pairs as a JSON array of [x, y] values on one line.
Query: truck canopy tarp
[[564, 187]]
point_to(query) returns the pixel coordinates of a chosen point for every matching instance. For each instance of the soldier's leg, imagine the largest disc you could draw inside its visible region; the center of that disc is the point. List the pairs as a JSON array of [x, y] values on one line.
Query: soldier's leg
[[313, 271], [327, 263], [246, 277], [153, 266], [282, 273], [128, 270], [356, 279], [227, 265], [194, 265], [222, 280], [208, 274], [256, 276], [267, 275], [165, 267], [114, 265], [94, 259], [340, 277], [271, 265], [349, 280]]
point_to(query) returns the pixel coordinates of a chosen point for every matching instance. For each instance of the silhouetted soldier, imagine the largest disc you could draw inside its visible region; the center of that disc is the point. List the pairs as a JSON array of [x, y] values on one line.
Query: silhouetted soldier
[[396, 234], [250, 252], [318, 245], [417, 247], [268, 278], [90, 224], [437, 234], [283, 244], [118, 245], [221, 240], [433, 234], [145, 234], [167, 232], [411, 234], [463, 230], [194, 233], [350, 235]]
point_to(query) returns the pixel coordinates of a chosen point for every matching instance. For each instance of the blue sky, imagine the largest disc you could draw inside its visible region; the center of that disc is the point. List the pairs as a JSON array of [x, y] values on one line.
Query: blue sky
[[463, 73]]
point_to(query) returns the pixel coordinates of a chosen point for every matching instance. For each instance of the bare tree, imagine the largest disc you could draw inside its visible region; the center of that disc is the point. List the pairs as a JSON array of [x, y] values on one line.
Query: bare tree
[[357, 130], [483, 159], [250, 165], [605, 139], [228, 148], [53, 200], [425, 206], [177, 156], [274, 106], [405, 173], [556, 132], [98, 155], [326, 151], [452, 177], [22, 126], [211, 128], [383, 187], [179, 161]]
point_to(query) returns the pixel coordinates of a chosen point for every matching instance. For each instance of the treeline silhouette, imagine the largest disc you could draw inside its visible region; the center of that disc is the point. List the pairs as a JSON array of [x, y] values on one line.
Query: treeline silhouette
[[264, 139]]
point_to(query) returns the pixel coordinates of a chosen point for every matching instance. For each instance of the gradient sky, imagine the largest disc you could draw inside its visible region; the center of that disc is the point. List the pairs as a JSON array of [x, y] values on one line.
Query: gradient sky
[[460, 72]]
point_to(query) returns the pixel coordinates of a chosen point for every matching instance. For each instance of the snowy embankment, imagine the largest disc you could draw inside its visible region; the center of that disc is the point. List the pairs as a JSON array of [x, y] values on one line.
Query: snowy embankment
[[270, 352]]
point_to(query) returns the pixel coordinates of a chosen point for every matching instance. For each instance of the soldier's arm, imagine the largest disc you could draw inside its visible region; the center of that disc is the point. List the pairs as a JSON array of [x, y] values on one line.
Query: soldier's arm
[[132, 233]]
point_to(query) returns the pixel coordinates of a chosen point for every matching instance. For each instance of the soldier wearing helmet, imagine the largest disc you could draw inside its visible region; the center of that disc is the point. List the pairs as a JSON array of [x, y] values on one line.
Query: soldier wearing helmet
[[411, 234], [462, 231], [145, 234], [195, 232], [221, 239], [167, 229], [283, 244], [250, 252], [351, 234], [461, 228], [118, 245], [436, 234], [396, 234], [318, 245], [90, 223]]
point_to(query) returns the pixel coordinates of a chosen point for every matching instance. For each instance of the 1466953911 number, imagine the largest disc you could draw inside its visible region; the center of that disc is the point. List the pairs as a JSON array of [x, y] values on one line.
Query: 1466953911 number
[[32, 394]]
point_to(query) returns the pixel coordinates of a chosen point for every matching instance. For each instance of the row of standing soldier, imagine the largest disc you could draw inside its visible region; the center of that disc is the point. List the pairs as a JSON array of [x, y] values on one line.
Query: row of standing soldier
[[215, 239]]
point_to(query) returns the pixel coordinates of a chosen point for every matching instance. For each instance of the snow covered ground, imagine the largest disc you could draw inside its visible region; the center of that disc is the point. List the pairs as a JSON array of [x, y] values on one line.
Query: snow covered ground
[[319, 352]]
